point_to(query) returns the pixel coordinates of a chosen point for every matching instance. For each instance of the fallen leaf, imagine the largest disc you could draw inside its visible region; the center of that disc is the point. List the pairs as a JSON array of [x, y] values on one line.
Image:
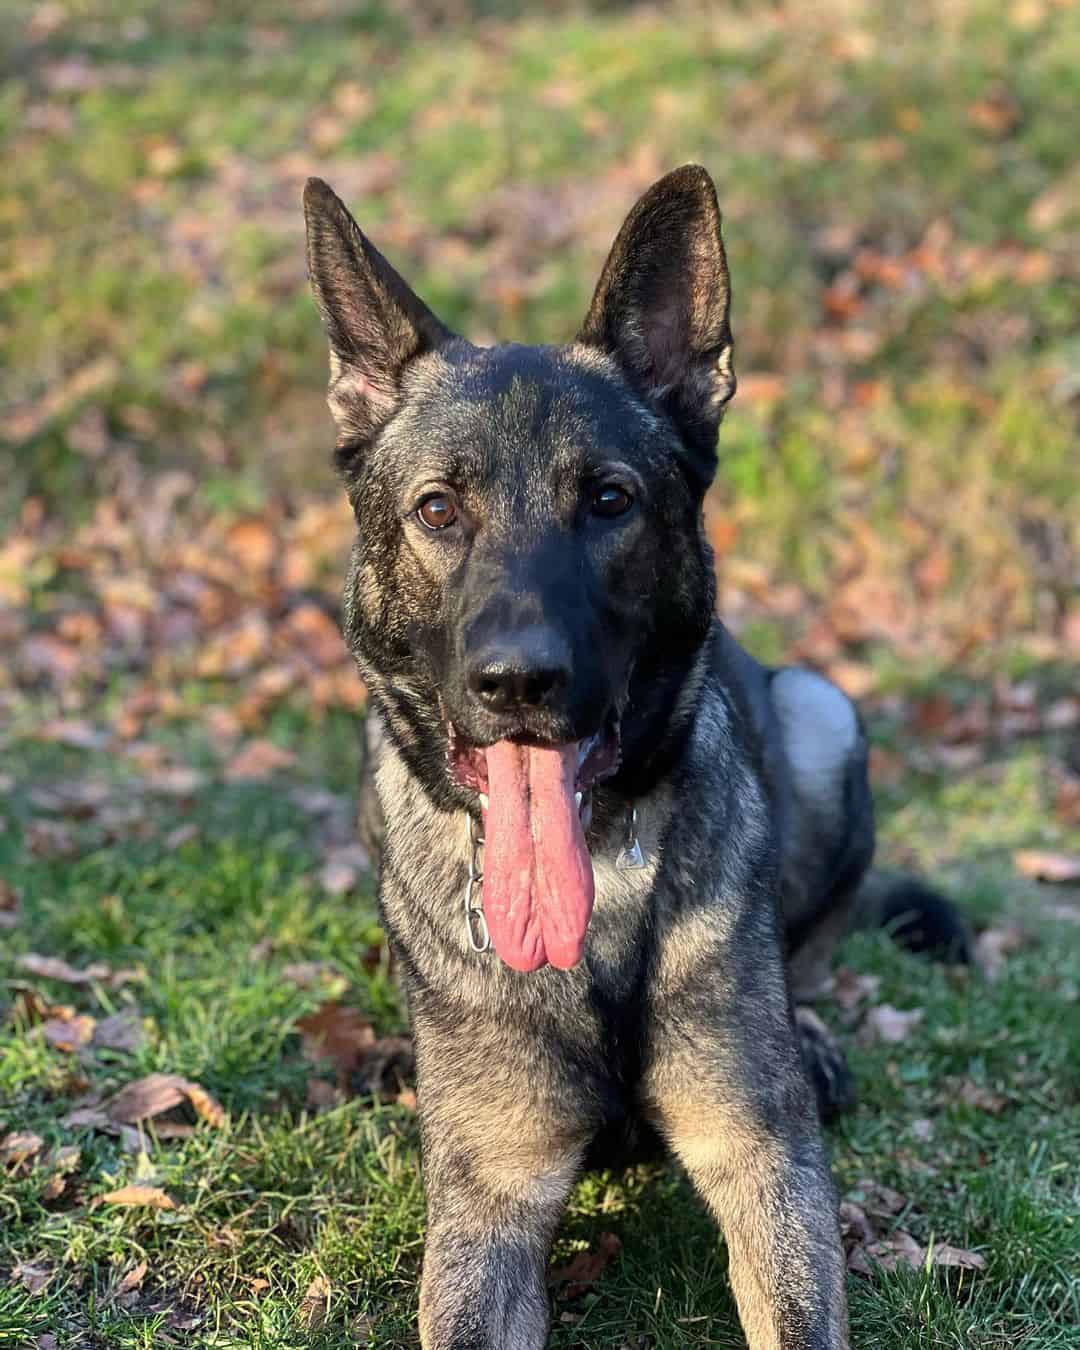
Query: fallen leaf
[[888, 1025], [63, 1162], [132, 1279], [20, 1146], [33, 1278], [974, 1095], [68, 1033], [994, 945], [307, 974], [257, 761], [52, 839], [9, 905], [855, 1227], [880, 1200], [1049, 866], [151, 1197], [183, 834], [585, 1268], [52, 968], [850, 989], [944, 1255], [121, 1031], [314, 1307], [176, 780], [898, 1249], [86, 1117], [386, 1067], [340, 1034], [323, 1096], [159, 1092]]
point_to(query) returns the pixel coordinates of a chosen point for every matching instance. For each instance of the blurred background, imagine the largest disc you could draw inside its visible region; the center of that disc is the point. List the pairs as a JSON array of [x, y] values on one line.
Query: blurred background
[[899, 472], [897, 504]]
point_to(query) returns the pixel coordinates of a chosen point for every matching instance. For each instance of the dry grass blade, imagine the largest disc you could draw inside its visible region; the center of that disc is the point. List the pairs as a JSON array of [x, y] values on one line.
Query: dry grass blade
[[150, 1197]]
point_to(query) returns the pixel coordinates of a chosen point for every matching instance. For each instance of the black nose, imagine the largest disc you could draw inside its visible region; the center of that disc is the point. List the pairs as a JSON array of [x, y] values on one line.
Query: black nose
[[529, 671]]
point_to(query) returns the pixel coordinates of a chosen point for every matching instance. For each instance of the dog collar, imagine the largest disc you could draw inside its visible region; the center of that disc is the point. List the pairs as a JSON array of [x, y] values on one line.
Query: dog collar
[[629, 858]]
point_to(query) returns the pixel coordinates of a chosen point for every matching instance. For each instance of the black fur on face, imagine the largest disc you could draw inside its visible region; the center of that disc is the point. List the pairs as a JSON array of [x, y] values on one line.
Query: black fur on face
[[521, 510]]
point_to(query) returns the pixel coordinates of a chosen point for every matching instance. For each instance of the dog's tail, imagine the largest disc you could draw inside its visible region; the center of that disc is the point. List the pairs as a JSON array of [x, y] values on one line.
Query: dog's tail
[[915, 916]]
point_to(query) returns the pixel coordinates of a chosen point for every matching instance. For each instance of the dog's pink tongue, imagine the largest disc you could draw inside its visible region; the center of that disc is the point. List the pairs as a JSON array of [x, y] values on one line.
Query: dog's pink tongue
[[538, 879]]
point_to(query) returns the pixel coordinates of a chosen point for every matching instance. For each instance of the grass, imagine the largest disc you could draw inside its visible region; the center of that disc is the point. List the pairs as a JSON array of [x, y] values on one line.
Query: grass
[[282, 1194], [895, 503]]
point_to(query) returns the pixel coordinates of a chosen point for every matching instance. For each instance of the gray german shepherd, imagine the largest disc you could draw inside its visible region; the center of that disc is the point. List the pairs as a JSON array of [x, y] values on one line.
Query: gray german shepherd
[[617, 849]]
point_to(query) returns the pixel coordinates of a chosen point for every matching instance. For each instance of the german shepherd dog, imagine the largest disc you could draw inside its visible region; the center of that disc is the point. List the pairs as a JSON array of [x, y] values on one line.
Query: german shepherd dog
[[617, 849]]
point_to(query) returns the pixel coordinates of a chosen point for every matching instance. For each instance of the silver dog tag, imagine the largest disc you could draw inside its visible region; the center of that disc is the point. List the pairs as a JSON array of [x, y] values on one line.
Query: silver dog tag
[[630, 856]]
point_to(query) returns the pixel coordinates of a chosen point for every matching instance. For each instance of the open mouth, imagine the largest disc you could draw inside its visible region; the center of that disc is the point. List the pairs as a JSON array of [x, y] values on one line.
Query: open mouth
[[596, 757], [536, 801]]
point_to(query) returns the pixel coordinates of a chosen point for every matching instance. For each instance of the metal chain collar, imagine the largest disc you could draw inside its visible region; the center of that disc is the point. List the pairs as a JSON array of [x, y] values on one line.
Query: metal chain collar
[[629, 857], [476, 929]]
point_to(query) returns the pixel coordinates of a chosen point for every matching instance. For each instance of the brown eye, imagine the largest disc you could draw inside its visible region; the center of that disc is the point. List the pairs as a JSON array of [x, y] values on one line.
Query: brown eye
[[610, 501], [437, 512]]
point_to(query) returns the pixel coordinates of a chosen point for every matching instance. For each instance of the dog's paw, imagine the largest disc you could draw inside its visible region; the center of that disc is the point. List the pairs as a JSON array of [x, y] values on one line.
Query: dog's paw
[[826, 1064]]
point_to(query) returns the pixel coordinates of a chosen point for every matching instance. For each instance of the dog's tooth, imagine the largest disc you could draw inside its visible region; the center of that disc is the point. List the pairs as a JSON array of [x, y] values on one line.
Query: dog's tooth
[[578, 799], [484, 800]]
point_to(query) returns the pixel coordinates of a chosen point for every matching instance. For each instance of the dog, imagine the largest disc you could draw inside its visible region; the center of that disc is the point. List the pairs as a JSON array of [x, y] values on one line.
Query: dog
[[615, 850]]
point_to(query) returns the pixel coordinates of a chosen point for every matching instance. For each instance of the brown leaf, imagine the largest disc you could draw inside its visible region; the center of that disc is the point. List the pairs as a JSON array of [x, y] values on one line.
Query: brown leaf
[[855, 1227], [52, 839], [850, 989], [323, 1096], [252, 544], [52, 968], [944, 1255], [257, 761], [159, 1092], [132, 1279], [340, 1034], [121, 1031], [585, 1268], [152, 1197], [1066, 796], [386, 1067], [307, 974], [314, 1307], [1049, 866], [33, 1278], [899, 1248], [68, 1033], [20, 1146], [888, 1025], [176, 780], [995, 945], [880, 1200], [975, 1095], [9, 905]]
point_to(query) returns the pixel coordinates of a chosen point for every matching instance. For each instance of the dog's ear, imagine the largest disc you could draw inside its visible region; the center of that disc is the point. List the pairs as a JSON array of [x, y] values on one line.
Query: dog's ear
[[661, 307], [376, 325]]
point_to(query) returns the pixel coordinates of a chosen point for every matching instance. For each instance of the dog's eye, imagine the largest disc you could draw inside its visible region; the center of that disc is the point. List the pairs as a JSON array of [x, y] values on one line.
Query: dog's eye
[[610, 500], [437, 511]]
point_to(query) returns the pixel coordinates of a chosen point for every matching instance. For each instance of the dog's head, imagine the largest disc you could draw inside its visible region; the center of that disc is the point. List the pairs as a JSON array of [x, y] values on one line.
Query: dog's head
[[530, 580]]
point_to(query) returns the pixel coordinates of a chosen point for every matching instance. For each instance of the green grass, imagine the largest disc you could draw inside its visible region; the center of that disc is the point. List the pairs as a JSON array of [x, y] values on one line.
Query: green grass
[[281, 1195], [896, 499]]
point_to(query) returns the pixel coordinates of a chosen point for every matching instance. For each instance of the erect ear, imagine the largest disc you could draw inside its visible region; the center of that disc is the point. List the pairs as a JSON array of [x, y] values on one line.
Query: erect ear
[[376, 325], [661, 306]]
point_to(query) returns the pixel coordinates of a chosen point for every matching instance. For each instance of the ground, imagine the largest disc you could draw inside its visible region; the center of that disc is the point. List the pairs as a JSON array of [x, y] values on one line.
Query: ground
[[180, 891]]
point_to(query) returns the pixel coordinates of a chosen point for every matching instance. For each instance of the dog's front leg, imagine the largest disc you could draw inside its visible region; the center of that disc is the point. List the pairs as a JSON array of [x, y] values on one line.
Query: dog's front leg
[[501, 1152], [738, 1112]]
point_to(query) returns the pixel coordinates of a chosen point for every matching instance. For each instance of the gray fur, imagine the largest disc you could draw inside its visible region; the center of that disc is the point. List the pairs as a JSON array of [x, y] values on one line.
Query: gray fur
[[678, 1027]]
